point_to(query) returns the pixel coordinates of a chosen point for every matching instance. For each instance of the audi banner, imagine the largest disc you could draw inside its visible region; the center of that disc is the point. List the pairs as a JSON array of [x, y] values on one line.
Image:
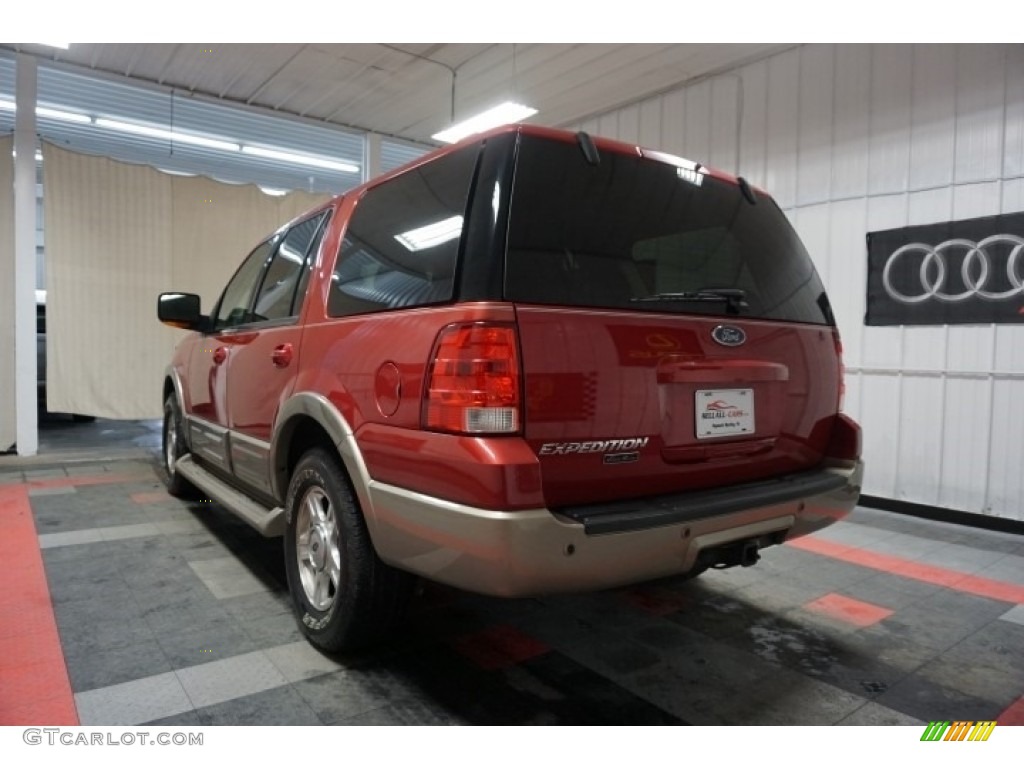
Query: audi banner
[[956, 273]]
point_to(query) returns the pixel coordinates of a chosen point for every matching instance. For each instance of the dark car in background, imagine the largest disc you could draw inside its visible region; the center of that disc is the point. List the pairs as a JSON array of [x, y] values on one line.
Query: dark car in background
[[41, 357]]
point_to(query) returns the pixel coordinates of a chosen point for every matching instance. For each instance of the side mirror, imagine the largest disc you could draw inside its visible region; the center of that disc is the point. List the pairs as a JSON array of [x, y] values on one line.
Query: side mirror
[[180, 310]]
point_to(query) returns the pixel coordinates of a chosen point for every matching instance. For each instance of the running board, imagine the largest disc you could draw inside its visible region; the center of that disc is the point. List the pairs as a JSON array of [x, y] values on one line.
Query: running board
[[269, 522]]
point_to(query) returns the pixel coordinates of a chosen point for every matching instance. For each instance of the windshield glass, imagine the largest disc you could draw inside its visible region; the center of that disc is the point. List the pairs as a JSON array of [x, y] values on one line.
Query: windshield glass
[[639, 234]]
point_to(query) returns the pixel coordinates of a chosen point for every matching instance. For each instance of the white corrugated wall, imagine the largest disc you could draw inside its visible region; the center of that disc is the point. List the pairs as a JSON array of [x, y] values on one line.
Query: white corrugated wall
[[856, 138]]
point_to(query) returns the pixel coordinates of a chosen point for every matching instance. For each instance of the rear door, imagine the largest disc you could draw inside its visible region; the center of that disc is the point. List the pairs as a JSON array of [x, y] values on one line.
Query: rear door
[[674, 333]]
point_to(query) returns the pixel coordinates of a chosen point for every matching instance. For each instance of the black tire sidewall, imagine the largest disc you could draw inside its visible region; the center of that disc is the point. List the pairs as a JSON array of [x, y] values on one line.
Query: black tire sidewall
[[176, 484], [314, 470]]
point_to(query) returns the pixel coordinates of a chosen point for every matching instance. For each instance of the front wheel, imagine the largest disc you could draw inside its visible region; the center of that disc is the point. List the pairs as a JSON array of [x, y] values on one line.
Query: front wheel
[[344, 595], [173, 447]]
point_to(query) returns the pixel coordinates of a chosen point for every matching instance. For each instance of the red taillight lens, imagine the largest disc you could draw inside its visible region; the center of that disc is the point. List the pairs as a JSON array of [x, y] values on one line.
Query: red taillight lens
[[842, 367], [474, 380]]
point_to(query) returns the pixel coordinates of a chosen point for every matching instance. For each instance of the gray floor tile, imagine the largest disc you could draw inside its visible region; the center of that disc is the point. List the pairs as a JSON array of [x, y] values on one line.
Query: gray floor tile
[[873, 713], [108, 667], [67, 490], [185, 718], [258, 604], [343, 695], [988, 664], [280, 706], [228, 577], [922, 699], [1015, 615], [203, 645], [228, 679], [70, 538], [406, 713], [137, 701], [1009, 568], [301, 661], [269, 631]]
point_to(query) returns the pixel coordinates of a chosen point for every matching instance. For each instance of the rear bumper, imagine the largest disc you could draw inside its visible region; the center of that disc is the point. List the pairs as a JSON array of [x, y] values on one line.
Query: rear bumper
[[531, 552]]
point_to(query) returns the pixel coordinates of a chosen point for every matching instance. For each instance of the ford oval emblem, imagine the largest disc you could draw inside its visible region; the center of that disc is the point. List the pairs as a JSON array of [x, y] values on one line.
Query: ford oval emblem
[[729, 335]]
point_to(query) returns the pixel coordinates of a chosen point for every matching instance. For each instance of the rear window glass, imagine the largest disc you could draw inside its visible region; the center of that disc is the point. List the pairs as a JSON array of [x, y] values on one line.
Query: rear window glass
[[640, 234]]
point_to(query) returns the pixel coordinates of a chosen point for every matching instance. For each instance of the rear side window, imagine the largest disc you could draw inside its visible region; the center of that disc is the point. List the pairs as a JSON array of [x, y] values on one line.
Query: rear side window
[[401, 245], [640, 234]]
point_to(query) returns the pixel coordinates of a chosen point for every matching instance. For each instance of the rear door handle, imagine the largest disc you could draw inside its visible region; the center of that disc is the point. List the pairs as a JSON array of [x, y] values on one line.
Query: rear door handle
[[282, 355], [220, 354]]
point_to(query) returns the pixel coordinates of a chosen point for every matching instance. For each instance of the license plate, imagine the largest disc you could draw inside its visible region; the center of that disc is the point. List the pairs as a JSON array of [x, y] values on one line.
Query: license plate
[[724, 412]]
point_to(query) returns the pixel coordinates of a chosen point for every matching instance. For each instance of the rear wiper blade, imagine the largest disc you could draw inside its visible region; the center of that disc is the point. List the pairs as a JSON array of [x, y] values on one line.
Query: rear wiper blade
[[735, 298]]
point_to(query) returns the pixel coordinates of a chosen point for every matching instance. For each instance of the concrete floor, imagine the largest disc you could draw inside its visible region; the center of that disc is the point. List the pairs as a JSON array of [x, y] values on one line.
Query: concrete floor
[[176, 613]]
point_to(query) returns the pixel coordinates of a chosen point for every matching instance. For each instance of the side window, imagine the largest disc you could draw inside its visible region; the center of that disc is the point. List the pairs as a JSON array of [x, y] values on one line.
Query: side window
[[237, 297], [402, 242], [277, 292], [307, 270]]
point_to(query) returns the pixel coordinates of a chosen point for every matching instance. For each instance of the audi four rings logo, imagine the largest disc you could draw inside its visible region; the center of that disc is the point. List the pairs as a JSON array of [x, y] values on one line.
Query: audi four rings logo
[[979, 265]]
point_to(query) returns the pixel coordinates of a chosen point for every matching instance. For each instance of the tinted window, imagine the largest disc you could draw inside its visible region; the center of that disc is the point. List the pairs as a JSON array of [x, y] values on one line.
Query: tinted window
[[635, 233], [282, 276], [402, 242], [307, 270], [237, 298]]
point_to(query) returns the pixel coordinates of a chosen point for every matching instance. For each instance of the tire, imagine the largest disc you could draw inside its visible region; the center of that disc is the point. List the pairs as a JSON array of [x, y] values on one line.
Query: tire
[[344, 596], [173, 447]]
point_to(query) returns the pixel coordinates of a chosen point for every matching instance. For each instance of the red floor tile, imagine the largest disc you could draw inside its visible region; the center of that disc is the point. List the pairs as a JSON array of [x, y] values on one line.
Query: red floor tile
[[931, 574], [34, 685], [656, 602], [498, 647], [848, 610], [1013, 714], [152, 497]]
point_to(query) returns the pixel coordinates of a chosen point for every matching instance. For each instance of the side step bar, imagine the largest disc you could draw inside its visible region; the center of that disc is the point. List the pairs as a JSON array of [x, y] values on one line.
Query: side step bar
[[269, 522]]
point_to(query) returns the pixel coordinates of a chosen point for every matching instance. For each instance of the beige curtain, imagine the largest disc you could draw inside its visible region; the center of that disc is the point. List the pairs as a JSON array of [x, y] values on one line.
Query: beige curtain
[[117, 235], [8, 429]]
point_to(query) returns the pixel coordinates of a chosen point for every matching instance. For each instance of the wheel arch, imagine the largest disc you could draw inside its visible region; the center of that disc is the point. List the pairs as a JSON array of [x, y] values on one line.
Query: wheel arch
[[307, 420]]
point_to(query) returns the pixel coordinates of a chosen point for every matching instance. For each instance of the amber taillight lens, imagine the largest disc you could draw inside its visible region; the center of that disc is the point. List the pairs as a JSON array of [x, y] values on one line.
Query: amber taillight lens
[[473, 382]]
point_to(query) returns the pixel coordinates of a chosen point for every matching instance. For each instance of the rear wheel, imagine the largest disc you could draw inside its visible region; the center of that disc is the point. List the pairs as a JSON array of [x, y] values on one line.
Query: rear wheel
[[173, 448], [344, 595]]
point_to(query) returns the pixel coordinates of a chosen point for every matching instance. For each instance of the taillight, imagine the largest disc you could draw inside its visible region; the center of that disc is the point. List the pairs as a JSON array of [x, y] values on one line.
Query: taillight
[[473, 383], [842, 367]]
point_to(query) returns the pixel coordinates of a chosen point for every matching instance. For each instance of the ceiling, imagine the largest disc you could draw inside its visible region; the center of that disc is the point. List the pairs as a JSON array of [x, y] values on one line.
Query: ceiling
[[406, 90]]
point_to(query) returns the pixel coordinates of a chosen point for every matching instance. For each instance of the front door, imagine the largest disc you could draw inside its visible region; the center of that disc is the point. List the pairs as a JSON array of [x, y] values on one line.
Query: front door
[[208, 364], [264, 357]]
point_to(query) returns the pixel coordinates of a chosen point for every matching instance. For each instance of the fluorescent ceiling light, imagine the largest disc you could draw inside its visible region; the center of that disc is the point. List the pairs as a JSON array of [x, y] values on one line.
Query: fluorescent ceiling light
[[64, 46], [53, 114], [273, 192], [291, 157], [60, 114], [509, 112], [421, 238], [162, 133]]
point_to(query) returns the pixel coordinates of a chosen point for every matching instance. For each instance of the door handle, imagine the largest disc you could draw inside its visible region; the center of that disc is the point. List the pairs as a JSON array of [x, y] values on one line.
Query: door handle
[[220, 354], [282, 355]]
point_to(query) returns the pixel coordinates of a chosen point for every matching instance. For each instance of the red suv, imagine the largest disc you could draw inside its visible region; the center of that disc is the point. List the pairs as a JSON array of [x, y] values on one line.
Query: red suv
[[533, 362]]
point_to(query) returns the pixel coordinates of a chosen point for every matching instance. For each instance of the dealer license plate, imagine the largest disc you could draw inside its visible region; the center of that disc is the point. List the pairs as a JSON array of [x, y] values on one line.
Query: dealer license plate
[[724, 412]]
